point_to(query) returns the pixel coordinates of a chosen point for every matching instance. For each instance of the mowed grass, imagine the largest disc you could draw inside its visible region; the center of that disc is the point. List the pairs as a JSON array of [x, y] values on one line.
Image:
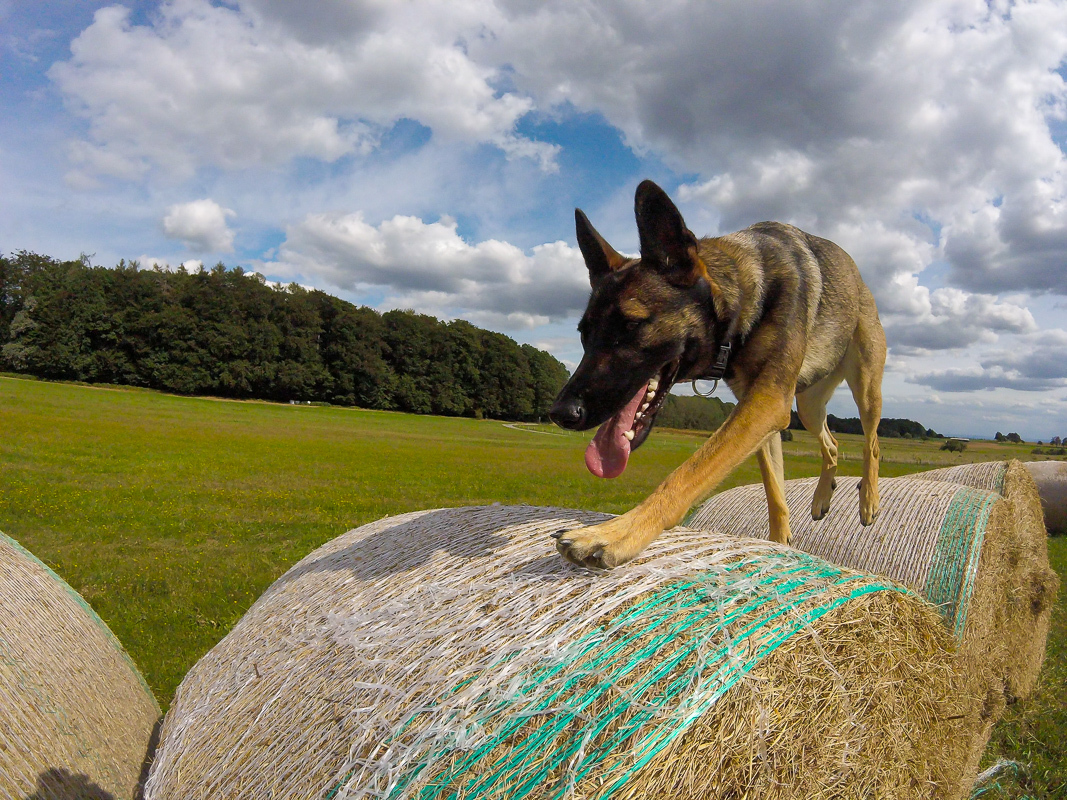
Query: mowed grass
[[171, 515]]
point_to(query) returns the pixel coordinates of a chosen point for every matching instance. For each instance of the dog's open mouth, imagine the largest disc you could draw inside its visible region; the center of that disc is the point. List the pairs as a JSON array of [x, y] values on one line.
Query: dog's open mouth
[[610, 449]]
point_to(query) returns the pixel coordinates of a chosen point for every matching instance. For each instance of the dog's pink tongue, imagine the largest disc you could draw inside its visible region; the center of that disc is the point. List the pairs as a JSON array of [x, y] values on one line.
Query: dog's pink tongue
[[607, 454]]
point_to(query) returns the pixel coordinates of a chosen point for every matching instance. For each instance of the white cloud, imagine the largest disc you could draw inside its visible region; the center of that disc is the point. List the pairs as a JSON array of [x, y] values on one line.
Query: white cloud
[[200, 225], [234, 87], [947, 318], [908, 132], [152, 262], [428, 266], [1034, 362]]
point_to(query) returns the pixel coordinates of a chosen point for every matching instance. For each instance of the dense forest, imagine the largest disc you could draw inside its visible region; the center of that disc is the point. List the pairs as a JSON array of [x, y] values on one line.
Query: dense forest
[[229, 333]]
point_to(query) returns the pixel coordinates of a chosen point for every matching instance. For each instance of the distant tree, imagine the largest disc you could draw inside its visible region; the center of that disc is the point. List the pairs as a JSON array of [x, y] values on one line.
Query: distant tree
[[505, 389], [999, 437], [1014, 438], [1056, 440], [787, 435], [954, 446], [548, 375], [693, 413]]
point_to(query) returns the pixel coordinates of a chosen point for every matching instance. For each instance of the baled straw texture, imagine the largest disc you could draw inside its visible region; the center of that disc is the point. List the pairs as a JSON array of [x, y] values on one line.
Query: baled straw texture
[[1020, 611], [453, 653], [978, 555], [76, 716]]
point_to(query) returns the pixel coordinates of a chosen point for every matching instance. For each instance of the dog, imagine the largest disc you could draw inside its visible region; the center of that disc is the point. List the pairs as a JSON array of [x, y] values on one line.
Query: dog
[[776, 313]]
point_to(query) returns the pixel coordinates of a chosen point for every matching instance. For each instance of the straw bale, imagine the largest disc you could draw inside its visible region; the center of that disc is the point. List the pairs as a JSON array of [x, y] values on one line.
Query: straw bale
[[452, 653], [76, 717], [979, 556], [989, 476], [1020, 566]]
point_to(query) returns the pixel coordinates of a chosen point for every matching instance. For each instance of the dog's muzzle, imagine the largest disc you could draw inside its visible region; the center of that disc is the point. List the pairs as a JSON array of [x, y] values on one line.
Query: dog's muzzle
[[568, 413]]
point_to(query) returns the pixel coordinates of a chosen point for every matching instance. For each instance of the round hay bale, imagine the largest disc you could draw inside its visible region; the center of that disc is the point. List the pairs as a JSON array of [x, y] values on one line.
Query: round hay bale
[[452, 653], [76, 717], [989, 476], [1029, 583], [1051, 480], [978, 556]]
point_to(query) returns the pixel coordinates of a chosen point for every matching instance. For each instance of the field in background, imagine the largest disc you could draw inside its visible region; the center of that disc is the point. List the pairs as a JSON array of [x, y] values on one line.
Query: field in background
[[171, 515]]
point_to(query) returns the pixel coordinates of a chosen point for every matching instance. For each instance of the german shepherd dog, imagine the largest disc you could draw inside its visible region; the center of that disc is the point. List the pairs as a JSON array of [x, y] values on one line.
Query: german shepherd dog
[[775, 312]]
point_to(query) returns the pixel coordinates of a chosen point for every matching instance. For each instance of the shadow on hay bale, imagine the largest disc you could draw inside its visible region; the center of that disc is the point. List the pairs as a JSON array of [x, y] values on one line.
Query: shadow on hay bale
[[453, 653], [969, 539], [76, 717], [61, 784]]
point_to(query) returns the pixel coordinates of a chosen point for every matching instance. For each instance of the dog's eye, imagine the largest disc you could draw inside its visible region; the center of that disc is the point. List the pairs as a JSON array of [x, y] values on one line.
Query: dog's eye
[[630, 326]]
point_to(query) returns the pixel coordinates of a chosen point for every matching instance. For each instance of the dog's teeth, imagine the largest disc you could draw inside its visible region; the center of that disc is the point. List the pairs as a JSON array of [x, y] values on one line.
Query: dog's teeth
[[650, 394], [638, 415], [644, 406], [653, 384], [629, 435]]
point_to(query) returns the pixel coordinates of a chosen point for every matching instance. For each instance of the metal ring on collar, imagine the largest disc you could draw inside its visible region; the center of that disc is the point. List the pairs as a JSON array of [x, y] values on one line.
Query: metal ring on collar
[[714, 386]]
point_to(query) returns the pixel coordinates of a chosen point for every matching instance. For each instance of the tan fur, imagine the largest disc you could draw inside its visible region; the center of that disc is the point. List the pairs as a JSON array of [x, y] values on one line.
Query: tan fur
[[634, 308], [807, 322]]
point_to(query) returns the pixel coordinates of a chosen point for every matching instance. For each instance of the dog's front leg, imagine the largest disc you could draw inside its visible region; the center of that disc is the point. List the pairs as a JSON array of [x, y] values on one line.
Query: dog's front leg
[[773, 471], [763, 410]]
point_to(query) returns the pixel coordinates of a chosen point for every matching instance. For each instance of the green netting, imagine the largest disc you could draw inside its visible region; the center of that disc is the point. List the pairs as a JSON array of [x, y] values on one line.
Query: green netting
[[617, 697], [950, 582], [1001, 780]]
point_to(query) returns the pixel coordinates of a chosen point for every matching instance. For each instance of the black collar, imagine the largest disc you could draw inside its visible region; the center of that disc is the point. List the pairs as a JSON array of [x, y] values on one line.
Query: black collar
[[722, 358]]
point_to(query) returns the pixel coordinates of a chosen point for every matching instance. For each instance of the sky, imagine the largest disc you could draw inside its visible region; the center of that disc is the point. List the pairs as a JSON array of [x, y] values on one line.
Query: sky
[[429, 155]]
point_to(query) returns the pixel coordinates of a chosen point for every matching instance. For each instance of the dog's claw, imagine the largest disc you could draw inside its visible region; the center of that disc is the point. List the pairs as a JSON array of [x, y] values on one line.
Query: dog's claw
[[558, 533]]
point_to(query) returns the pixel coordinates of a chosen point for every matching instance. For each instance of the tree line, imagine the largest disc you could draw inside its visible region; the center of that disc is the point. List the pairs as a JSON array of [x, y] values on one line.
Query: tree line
[[693, 413], [888, 428], [230, 333]]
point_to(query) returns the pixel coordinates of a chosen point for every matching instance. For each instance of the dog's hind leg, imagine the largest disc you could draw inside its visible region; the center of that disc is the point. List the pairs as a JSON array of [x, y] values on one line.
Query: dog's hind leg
[[772, 469], [864, 363], [811, 407]]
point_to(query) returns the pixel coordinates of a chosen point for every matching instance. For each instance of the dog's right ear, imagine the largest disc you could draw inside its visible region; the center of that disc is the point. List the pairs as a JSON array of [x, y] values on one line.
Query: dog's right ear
[[600, 257]]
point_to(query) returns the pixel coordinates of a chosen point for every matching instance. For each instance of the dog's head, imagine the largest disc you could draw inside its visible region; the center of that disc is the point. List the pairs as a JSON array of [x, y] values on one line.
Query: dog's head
[[648, 323]]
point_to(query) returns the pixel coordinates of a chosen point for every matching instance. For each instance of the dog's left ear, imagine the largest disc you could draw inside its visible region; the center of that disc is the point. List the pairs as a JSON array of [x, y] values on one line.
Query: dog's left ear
[[667, 245]]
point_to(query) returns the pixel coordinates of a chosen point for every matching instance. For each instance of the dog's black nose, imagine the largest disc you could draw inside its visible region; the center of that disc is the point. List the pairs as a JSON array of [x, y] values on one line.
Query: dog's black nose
[[568, 413]]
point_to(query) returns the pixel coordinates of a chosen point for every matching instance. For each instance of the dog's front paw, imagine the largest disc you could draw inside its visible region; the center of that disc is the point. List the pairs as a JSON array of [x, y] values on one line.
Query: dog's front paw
[[820, 503], [602, 546], [868, 502]]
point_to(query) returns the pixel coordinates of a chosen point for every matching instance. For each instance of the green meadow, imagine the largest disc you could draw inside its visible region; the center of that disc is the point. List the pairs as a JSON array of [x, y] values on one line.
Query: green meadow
[[171, 515]]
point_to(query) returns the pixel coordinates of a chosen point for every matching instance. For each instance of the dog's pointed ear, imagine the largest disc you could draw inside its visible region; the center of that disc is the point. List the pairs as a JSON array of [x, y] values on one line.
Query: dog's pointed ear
[[667, 245], [600, 257]]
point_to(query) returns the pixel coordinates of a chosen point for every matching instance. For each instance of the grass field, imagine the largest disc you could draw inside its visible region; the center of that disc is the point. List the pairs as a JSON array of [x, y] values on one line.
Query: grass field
[[172, 515]]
